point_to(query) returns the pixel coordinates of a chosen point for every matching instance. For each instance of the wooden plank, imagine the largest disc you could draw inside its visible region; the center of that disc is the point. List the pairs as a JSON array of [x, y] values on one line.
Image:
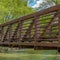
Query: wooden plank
[[31, 44]]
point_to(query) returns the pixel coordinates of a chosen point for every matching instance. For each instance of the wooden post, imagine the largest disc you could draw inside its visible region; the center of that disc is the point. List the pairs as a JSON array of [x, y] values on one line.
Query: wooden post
[[20, 31], [37, 32], [10, 32]]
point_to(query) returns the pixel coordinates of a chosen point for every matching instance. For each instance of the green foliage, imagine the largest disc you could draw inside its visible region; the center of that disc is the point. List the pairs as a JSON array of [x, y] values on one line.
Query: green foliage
[[11, 9]]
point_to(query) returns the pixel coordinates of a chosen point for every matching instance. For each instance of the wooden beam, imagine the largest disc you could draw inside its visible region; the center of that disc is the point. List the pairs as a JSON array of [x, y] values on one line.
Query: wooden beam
[[20, 31], [37, 31], [10, 32], [31, 44]]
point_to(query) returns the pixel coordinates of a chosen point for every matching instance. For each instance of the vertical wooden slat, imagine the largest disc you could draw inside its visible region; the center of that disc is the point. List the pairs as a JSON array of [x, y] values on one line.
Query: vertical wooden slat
[[20, 31], [10, 32], [37, 31]]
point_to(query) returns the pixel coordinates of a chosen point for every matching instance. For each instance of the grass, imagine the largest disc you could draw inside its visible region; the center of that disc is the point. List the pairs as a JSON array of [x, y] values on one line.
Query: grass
[[30, 54]]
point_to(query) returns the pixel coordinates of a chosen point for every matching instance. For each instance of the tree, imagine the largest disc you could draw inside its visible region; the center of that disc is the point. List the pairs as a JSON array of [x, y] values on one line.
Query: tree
[[12, 9]]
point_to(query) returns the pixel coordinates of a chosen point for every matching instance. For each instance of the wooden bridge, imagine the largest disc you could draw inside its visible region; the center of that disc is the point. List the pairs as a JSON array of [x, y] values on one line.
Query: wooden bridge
[[40, 29]]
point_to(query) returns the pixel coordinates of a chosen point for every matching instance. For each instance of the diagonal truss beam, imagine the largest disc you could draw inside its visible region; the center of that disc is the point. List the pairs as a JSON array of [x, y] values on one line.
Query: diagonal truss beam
[[29, 29], [5, 35], [15, 32], [50, 24]]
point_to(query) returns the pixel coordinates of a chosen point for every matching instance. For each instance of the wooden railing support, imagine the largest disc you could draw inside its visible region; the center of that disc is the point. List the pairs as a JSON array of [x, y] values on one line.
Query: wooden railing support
[[37, 32]]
